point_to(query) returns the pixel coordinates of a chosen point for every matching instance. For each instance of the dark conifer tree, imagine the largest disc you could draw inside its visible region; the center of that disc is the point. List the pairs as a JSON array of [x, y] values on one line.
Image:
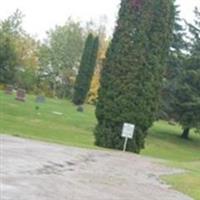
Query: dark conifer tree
[[86, 70], [187, 93], [175, 64], [132, 73]]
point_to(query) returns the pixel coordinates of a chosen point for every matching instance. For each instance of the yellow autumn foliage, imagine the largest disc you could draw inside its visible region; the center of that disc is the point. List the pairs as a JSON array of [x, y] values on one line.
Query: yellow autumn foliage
[[95, 83]]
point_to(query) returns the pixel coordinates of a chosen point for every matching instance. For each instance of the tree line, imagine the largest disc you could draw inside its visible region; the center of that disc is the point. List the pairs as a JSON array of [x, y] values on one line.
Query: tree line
[[49, 66]]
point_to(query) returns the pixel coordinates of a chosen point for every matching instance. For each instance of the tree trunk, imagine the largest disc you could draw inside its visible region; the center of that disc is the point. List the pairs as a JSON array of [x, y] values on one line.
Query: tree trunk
[[185, 134]]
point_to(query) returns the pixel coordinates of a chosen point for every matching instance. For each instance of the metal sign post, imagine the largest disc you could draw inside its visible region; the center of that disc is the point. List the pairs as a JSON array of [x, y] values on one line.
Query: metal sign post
[[127, 133], [125, 144]]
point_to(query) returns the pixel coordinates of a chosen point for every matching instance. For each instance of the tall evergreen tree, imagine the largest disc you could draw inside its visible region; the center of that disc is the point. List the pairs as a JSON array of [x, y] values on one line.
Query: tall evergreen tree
[[86, 70], [132, 73], [187, 98], [175, 64]]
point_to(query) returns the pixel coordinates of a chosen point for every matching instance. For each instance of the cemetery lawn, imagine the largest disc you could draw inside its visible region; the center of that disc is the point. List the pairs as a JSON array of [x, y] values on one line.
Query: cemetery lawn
[[58, 121]]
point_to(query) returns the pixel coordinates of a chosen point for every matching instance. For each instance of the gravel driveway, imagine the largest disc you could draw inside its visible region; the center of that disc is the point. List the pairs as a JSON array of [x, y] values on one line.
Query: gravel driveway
[[31, 170]]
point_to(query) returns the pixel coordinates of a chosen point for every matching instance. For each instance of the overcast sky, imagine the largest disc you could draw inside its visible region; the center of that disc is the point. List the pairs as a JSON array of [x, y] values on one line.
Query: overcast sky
[[41, 15]]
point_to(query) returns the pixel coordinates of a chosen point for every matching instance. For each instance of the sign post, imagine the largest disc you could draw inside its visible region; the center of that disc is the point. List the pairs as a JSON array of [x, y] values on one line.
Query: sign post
[[127, 133]]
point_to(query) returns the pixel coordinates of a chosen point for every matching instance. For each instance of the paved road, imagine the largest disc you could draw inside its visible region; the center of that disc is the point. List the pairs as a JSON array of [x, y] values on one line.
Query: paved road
[[31, 170]]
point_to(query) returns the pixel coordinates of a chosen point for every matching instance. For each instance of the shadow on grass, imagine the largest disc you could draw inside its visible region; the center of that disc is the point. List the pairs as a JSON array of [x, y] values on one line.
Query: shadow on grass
[[172, 134]]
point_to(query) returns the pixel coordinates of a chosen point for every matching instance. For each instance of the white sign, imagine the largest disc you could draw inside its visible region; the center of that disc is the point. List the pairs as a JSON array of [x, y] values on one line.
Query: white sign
[[127, 133], [128, 130]]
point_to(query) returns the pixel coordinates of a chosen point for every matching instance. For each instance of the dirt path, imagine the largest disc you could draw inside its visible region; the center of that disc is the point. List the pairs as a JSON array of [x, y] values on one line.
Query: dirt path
[[31, 170]]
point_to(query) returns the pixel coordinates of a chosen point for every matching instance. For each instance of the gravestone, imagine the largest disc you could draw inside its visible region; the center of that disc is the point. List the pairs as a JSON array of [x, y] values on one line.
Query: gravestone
[[40, 99], [9, 89], [80, 109], [21, 95]]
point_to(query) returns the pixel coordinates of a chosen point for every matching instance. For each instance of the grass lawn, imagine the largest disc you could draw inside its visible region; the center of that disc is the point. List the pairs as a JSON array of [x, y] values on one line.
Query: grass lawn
[[22, 119], [164, 142], [74, 128]]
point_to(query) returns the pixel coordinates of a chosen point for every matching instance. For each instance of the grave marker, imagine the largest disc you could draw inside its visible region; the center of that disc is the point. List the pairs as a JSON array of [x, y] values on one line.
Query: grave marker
[[9, 89], [80, 109], [40, 99], [21, 95]]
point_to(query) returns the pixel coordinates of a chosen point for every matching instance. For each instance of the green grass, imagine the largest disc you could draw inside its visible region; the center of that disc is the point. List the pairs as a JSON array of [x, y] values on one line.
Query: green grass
[[74, 128], [22, 119], [164, 142]]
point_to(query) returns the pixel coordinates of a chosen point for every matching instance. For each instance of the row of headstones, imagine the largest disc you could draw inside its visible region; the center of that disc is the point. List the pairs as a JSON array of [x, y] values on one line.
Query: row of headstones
[[21, 94]]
